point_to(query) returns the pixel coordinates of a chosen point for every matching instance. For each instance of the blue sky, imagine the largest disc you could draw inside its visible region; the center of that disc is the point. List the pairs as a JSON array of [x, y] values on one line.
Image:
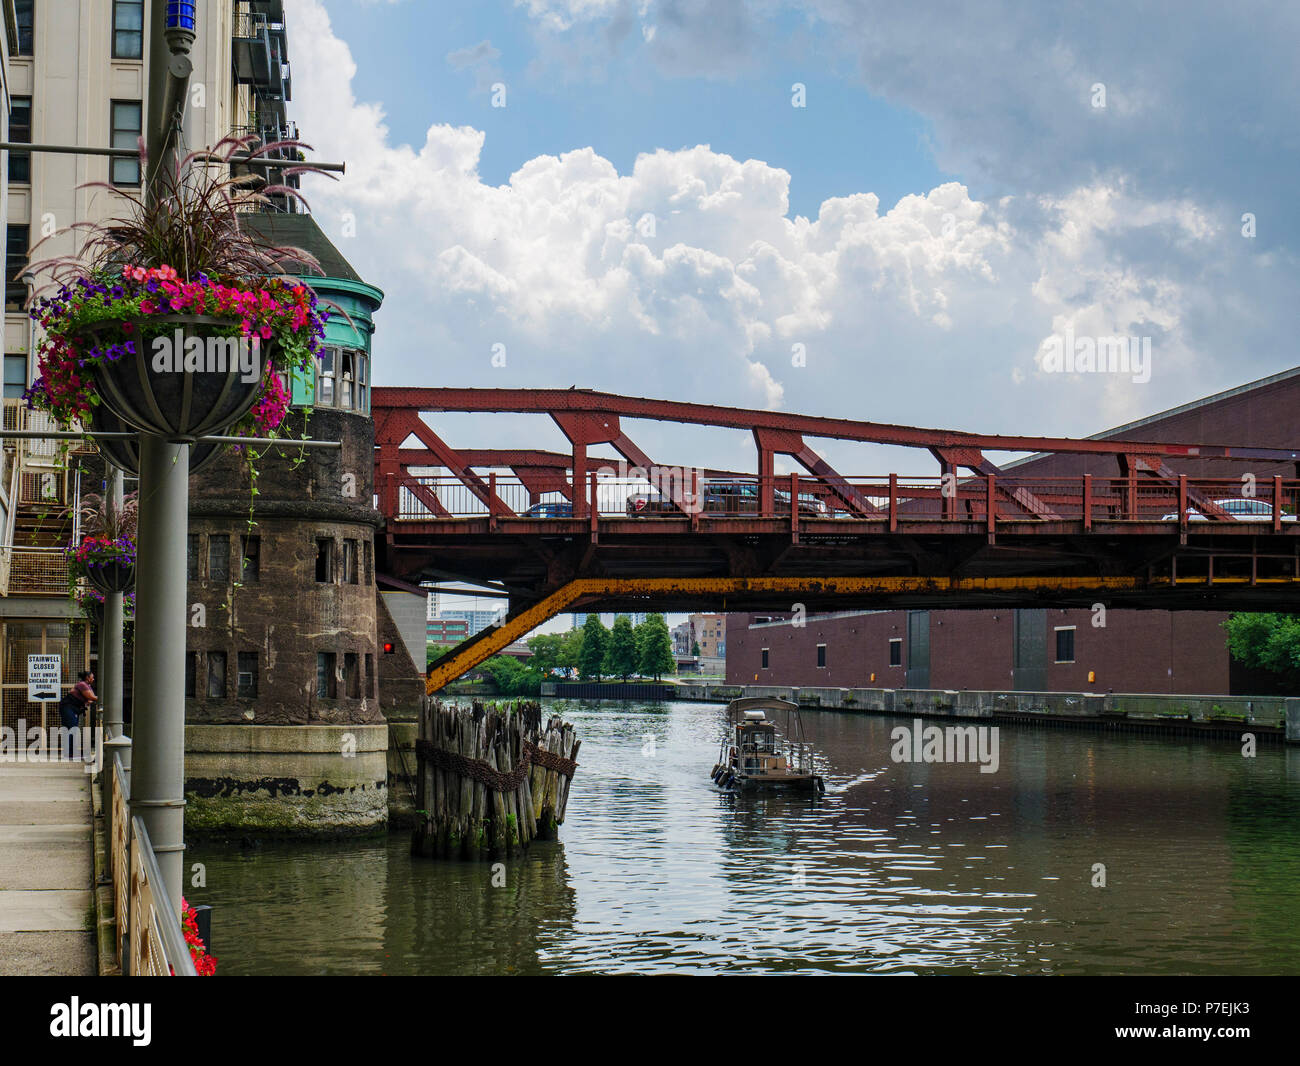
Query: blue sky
[[966, 185], [849, 141]]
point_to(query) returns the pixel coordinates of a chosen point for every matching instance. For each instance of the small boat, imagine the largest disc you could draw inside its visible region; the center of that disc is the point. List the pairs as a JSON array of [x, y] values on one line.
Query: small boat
[[751, 757]]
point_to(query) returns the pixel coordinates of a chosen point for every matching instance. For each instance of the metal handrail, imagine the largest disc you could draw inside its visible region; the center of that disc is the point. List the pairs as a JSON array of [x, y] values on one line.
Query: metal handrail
[[150, 940], [119, 844], [154, 930]]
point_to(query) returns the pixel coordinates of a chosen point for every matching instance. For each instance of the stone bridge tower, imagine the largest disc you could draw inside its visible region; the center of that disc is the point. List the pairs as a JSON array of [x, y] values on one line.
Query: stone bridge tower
[[286, 678]]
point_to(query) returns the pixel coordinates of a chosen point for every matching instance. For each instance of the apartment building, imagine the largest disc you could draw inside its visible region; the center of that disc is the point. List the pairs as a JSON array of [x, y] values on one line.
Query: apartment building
[[709, 631], [75, 74]]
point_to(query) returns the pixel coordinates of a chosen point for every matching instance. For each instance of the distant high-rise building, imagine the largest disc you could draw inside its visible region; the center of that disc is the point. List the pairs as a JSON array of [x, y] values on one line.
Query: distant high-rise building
[[478, 620]]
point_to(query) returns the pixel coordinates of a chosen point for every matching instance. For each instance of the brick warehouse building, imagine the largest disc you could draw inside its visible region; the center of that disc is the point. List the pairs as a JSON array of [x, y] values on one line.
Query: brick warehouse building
[[1041, 649]]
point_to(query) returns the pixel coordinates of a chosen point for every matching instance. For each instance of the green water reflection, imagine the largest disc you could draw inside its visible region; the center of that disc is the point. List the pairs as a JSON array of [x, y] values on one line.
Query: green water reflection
[[900, 868]]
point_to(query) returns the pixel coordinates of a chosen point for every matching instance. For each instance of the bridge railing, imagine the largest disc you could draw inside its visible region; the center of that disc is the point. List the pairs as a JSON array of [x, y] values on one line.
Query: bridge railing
[[883, 498], [150, 941]]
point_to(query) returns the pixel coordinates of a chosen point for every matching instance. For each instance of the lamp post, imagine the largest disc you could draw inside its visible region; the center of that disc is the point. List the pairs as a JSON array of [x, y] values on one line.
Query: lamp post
[[158, 770], [111, 639]]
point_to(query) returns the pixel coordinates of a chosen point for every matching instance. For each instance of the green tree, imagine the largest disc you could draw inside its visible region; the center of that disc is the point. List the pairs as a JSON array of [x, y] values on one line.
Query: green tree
[[546, 648], [570, 648], [621, 658], [1266, 642], [591, 659], [655, 647], [511, 677]]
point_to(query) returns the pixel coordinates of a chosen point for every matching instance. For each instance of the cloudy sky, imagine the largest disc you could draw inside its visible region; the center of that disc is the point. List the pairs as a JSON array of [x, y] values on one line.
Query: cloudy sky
[[651, 213]]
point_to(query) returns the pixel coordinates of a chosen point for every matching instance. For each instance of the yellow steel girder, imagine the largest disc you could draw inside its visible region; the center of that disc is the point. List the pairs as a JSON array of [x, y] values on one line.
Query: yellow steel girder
[[499, 637]]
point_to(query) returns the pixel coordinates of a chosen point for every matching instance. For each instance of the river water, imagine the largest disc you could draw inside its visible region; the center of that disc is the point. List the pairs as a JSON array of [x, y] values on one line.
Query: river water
[[900, 868]]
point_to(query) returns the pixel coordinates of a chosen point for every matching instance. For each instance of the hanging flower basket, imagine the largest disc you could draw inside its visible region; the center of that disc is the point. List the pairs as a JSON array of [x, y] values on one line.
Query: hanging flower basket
[[107, 565], [177, 359], [124, 453], [173, 316], [90, 601], [178, 376]]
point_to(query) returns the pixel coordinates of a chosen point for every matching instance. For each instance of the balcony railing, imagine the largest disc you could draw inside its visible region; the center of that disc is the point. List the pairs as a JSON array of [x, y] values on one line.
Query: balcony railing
[[33, 571]]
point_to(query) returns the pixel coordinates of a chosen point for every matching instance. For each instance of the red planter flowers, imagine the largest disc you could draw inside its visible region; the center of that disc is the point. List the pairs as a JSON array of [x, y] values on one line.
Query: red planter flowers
[[205, 964]]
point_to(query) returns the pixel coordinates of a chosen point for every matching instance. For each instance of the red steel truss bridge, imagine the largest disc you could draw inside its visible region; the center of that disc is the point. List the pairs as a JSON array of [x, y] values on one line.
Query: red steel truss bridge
[[1144, 524]]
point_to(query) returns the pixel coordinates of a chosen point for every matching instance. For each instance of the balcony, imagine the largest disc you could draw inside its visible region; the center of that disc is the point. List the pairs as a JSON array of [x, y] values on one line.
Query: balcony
[[260, 48], [33, 572]]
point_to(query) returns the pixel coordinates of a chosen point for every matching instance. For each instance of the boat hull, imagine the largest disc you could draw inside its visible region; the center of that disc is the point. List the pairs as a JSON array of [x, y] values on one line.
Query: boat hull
[[784, 783]]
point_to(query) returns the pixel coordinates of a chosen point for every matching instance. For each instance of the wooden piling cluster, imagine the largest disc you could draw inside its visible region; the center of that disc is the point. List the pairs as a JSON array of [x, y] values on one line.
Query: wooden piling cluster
[[491, 778]]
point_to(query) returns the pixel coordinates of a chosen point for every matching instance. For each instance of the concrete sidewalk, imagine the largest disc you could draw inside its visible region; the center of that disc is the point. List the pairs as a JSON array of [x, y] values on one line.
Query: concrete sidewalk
[[46, 871]]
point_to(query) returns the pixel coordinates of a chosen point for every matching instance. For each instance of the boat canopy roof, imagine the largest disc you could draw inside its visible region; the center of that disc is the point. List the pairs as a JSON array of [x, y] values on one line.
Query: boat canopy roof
[[760, 703]]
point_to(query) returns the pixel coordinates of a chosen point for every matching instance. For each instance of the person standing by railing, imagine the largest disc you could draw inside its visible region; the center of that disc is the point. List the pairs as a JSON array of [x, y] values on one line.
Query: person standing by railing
[[81, 698]]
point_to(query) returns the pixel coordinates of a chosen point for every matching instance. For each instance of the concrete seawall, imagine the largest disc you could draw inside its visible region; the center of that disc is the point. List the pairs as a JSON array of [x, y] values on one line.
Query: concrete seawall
[[1268, 716], [286, 780]]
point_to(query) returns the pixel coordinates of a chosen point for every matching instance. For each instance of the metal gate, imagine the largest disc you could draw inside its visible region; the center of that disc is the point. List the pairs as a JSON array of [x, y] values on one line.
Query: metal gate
[[20, 638], [1029, 656], [918, 649]]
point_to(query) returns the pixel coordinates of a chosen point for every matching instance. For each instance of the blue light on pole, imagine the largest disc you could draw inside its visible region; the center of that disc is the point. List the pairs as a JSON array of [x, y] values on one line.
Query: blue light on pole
[[180, 15]]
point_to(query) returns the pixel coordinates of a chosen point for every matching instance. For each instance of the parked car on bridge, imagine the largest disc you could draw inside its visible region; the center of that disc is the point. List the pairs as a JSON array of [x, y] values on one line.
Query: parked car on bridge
[[1242, 509], [725, 497], [550, 509]]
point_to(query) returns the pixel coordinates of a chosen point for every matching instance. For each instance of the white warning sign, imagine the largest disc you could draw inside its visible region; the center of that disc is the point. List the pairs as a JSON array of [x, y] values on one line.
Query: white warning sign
[[43, 675]]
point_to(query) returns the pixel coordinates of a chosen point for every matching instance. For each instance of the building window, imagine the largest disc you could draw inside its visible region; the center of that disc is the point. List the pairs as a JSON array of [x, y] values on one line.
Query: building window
[[125, 134], [352, 379], [15, 376], [20, 132], [192, 547], [372, 682], [191, 674], [216, 675], [896, 651], [370, 562], [349, 562], [250, 559], [325, 378], [343, 379], [218, 557], [16, 240], [352, 675], [128, 29], [764, 658], [26, 23], [821, 654], [1065, 644], [247, 680], [325, 680], [325, 560]]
